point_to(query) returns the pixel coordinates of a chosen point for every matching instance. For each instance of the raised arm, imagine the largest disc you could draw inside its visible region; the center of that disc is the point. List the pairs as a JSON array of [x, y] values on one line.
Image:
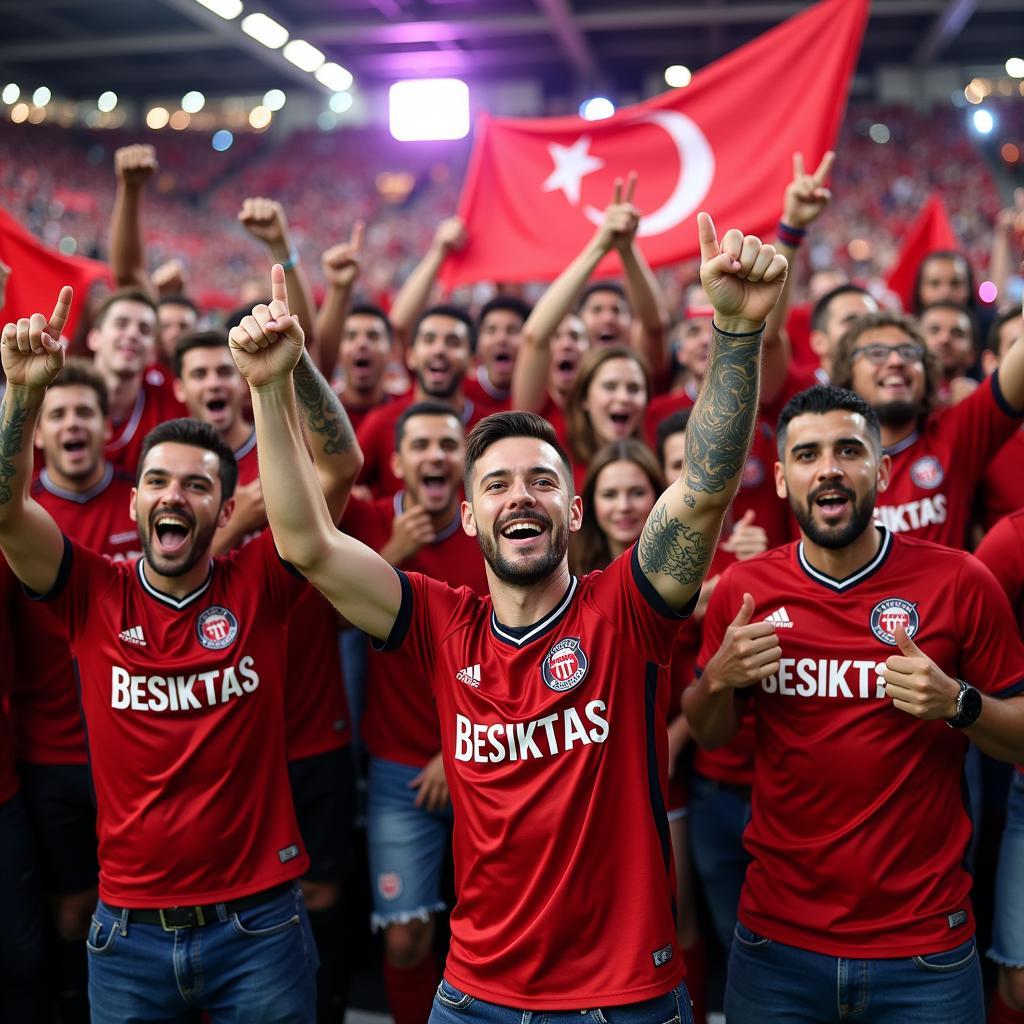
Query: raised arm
[[266, 347], [1006, 239], [340, 265], [1010, 374], [414, 295], [533, 361], [32, 356], [265, 219], [804, 201], [743, 279], [134, 165]]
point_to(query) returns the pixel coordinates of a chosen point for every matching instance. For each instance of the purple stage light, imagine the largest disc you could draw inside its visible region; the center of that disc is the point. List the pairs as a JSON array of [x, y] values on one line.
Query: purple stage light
[[427, 109]]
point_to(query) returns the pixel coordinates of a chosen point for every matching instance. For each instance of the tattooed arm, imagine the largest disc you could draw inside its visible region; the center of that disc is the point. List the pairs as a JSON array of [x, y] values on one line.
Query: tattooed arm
[[32, 356], [336, 455], [743, 279]]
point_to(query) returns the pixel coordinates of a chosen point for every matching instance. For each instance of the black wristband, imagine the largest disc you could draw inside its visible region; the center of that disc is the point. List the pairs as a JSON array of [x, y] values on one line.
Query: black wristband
[[742, 334]]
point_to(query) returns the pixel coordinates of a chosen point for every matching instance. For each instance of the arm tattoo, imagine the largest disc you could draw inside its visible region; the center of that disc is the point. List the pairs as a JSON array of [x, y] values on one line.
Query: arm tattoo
[[322, 411], [718, 433], [13, 414], [671, 548]]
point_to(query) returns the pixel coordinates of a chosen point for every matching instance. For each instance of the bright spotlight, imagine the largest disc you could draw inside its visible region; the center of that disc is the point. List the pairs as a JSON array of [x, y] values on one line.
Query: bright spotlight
[[425, 109], [678, 76], [107, 101], [265, 30], [597, 108], [983, 121], [192, 102], [41, 96], [274, 99], [340, 102], [1015, 67], [10, 94], [222, 140]]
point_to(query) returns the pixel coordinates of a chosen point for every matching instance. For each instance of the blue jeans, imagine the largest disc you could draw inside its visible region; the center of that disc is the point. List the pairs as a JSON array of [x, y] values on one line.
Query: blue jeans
[[452, 1006], [1008, 924], [718, 816], [254, 967], [769, 981], [406, 846]]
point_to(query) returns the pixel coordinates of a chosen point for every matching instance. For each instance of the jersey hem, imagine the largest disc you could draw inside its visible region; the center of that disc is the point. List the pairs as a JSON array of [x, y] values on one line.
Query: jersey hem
[[562, 1001], [296, 868]]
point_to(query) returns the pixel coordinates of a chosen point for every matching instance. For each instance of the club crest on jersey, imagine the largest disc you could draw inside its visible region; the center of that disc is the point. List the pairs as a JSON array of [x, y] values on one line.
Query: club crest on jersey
[[890, 613], [216, 628], [565, 665], [753, 473], [927, 472]]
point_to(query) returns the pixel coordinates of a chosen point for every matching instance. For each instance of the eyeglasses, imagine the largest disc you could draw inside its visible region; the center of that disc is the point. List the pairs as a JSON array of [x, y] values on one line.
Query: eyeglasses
[[879, 354]]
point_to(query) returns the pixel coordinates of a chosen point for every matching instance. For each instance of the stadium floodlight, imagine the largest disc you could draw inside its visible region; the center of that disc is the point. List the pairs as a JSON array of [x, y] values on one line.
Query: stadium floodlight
[[41, 96], [157, 118], [340, 102], [334, 76], [983, 121], [260, 117], [107, 101], [303, 55], [678, 76], [428, 109], [10, 94], [193, 101], [227, 9], [265, 30], [1015, 67], [274, 99], [597, 108], [222, 140]]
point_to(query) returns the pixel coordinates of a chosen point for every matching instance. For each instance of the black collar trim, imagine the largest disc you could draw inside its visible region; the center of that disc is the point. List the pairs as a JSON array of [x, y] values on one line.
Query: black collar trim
[[854, 578], [178, 604], [79, 497], [520, 636]]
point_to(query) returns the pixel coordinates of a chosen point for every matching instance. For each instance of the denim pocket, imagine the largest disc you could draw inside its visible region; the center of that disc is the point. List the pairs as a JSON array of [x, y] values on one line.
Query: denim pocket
[[745, 937], [949, 960], [448, 995], [660, 1010], [102, 934], [268, 918]]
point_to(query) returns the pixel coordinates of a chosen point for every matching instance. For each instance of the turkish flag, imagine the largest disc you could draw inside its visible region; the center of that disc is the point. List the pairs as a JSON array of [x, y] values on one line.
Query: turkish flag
[[535, 188], [38, 273], [931, 232]]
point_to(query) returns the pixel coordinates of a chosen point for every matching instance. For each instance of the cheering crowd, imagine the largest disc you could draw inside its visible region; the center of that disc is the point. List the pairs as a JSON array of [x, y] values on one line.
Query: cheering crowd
[[763, 680]]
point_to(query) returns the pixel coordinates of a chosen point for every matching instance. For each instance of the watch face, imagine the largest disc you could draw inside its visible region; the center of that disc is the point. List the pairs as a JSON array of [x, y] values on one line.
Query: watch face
[[970, 705]]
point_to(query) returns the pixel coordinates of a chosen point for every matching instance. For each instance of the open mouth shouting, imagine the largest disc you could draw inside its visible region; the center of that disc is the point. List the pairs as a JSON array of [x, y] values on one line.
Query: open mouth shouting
[[832, 502], [172, 531], [435, 489], [524, 529]]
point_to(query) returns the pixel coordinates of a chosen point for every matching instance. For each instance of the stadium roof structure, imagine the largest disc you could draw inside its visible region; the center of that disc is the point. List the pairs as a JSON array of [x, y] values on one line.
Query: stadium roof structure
[[140, 48]]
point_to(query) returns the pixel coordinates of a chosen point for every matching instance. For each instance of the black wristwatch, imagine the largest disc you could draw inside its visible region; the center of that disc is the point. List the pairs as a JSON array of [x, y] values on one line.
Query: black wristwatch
[[968, 707]]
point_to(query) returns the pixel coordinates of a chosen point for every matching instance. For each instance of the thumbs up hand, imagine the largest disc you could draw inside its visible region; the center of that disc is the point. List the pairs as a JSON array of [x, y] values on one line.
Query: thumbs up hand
[[916, 685], [746, 539], [749, 652]]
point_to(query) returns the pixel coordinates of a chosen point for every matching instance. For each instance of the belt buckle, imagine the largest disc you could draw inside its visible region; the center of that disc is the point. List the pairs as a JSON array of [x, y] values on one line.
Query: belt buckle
[[195, 912]]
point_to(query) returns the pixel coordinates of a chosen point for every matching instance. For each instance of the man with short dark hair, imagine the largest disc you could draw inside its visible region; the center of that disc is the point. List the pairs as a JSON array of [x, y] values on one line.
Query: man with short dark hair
[[949, 334], [499, 325], [854, 644], [937, 457], [181, 659], [551, 693], [177, 315]]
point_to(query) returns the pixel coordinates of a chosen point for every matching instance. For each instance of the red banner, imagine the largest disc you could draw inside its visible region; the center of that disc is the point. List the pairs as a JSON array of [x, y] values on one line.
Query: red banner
[[38, 273], [931, 232], [535, 188]]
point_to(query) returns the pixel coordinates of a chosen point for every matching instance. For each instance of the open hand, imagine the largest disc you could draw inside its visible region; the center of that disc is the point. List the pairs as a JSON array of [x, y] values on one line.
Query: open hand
[[432, 786]]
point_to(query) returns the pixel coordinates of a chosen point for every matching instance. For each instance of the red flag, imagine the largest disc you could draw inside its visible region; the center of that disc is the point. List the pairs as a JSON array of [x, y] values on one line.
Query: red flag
[[37, 274], [535, 188], [931, 232]]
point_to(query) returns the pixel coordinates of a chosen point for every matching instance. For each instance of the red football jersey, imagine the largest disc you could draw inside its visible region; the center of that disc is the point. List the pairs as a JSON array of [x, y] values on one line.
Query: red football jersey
[[45, 712], [154, 405], [555, 751], [1002, 550], [8, 777], [356, 416], [400, 721], [859, 828], [477, 387], [184, 702], [662, 406], [377, 440], [936, 468], [555, 415], [1002, 486], [317, 718]]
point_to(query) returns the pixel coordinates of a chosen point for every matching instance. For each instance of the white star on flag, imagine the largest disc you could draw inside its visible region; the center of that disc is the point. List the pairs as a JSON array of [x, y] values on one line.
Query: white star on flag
[[572, 164]]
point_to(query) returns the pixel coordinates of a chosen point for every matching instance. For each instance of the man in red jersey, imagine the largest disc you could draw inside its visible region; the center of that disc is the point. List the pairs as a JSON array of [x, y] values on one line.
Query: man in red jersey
[[442, 342], [90, 502], [937, 458], [856, 896], [408, 812], [489, 385], [182, 663], [318, 727], [123, 343], [553, 692]]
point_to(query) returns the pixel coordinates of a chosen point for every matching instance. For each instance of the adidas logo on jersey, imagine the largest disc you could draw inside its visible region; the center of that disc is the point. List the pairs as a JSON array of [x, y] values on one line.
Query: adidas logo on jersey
[[469, 675], [132, 636], [780, 619]]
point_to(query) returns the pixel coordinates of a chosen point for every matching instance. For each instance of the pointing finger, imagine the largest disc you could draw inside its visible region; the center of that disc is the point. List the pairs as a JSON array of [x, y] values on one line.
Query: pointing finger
[[355, 241], [824, 168], [59, 316], [709, 247], [278, 288]]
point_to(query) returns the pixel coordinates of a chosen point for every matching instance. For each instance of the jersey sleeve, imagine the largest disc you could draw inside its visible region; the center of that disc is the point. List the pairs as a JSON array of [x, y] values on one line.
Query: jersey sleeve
[[625, 598], [979, 426], [992, 655], [83, 580], [1002, 551]]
